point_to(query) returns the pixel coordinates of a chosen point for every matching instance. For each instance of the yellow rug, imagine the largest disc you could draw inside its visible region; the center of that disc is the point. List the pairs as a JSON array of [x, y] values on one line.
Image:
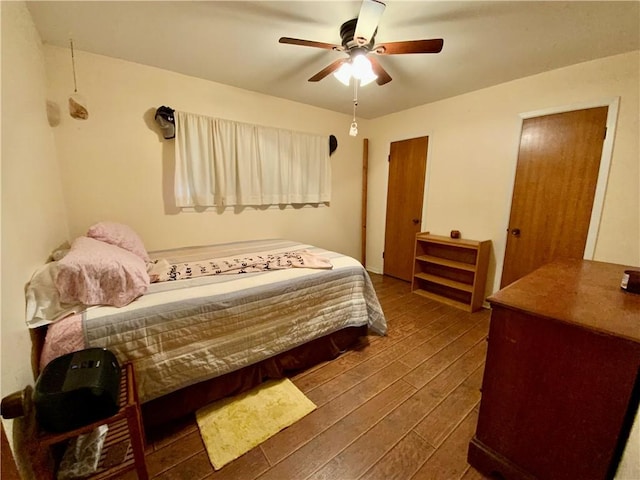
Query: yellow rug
[[233, 426]]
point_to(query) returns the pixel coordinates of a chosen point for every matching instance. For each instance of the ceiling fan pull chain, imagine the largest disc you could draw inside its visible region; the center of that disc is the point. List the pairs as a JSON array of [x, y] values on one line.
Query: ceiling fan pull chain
[[353, 130], [355, 97]]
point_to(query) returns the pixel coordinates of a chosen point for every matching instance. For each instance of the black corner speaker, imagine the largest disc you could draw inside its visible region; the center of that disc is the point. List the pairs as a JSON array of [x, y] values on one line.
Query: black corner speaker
[[77, 389]]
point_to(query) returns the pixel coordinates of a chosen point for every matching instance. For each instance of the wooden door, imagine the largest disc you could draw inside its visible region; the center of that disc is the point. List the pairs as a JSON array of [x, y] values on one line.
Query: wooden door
[[405, 195], [555, 182]]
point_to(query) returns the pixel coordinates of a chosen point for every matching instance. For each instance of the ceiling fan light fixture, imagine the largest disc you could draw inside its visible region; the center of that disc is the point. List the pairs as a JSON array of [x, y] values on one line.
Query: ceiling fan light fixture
[[367, 79], [362, 70], [358, 40], [343, 74]]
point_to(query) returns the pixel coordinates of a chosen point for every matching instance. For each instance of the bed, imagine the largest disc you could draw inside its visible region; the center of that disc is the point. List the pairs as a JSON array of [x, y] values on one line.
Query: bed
[[219, 332]]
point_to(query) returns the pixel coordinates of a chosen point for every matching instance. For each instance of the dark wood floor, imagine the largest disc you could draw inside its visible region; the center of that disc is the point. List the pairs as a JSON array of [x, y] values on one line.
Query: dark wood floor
[[401, 407]]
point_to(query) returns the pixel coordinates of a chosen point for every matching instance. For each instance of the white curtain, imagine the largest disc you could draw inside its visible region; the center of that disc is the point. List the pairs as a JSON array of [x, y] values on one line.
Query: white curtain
[[220, 162]]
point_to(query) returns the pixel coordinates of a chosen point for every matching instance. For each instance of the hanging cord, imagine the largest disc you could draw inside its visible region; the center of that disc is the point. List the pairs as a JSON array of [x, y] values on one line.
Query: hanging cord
[[77, 105], [353, 130], [73, 66], [355, 97]]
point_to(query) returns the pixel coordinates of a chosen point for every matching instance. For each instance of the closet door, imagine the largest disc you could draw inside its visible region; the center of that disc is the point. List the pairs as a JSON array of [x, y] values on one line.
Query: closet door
[[405, 196], [553, 193]]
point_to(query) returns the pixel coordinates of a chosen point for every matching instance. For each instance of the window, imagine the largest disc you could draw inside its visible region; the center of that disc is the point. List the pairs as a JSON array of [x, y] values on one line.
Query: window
[[221, 162]]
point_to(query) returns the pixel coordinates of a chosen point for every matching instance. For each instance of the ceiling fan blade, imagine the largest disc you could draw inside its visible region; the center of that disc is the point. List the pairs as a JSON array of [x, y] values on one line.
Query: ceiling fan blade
[[383, 76], [328, 69], [368, 18], [310, 43], [433, 45]]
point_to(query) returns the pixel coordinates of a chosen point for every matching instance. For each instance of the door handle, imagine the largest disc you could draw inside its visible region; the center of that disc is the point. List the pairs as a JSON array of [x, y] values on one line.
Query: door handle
[[416, 221], [515, 232]]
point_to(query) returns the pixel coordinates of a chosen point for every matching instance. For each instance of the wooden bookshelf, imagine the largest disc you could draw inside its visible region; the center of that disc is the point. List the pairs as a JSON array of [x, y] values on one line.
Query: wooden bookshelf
[[451, 270]]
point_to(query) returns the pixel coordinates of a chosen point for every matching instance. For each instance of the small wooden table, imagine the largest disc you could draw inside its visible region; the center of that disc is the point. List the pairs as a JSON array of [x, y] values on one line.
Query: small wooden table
[[123, 447]]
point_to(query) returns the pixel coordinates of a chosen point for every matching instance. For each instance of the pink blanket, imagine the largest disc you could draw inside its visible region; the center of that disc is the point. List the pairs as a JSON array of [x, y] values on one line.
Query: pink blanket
[[163, 271]]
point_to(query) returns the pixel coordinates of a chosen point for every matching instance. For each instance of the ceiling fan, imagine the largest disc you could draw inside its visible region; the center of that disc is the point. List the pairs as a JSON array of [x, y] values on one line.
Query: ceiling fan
[[358, 39]]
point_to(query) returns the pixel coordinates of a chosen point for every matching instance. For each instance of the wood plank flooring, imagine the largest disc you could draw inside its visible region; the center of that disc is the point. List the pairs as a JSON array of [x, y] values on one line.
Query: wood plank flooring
[[402, 407]]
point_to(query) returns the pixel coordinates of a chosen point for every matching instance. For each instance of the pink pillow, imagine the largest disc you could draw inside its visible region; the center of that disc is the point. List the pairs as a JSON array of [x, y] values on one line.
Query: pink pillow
[[119, 235], [97, 273]]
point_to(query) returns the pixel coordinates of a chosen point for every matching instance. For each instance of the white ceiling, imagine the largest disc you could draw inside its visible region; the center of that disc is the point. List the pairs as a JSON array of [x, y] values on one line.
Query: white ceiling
[[236, 43]]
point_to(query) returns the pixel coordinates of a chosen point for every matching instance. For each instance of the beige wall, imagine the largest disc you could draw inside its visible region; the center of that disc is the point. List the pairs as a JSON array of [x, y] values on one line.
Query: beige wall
[[473, 143], [116, 166], [33, 213]]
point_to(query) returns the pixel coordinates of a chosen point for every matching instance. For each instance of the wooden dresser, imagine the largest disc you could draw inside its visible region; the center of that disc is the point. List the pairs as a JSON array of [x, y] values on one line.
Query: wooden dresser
[[561, 381]]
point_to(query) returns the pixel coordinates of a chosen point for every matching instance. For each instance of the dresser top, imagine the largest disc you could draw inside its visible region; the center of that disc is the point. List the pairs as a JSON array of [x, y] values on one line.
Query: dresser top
[[580, 292]]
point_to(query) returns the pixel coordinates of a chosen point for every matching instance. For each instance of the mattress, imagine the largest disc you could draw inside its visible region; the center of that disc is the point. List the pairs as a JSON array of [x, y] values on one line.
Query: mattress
[[183, 332]]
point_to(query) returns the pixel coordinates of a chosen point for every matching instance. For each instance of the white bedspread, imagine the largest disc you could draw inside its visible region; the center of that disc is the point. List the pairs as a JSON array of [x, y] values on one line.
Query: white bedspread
[[180, 333]]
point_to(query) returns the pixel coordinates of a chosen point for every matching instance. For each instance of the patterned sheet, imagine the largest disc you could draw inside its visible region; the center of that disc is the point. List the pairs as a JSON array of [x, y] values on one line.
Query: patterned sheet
[[181, 333], [164, 271]]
